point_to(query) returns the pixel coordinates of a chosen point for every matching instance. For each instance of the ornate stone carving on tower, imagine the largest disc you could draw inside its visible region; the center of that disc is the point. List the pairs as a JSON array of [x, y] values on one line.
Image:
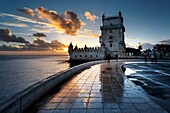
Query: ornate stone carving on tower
[[112, 35], [111, 41]]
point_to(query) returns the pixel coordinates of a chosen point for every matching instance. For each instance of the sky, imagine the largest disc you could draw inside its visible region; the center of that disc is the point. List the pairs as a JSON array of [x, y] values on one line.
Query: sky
[[46, 25]]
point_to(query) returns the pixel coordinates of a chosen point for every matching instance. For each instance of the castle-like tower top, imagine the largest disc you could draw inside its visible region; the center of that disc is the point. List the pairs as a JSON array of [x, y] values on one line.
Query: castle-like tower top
[[112, 17], [112, 22]]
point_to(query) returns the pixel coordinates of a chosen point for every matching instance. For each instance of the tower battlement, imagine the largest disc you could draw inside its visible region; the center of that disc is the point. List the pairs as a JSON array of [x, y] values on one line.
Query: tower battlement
[[88, 49]]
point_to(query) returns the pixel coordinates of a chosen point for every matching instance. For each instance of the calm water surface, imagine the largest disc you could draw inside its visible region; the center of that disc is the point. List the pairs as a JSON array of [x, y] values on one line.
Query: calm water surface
[[19, 72]]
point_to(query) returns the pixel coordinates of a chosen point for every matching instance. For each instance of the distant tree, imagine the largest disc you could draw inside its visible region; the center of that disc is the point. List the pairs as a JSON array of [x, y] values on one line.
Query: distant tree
[[140, 47], [139, 50], [164, 48], [132, 51]]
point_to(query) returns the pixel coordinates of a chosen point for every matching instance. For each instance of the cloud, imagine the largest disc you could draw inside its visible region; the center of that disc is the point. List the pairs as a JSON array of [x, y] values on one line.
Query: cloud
[[19, 18], [37, 29], [68, 23], [13, 24], [39, 35], [25, 19], [146, 46], [47, 27], [89, 16], [57, 45], [27, 11], [39, 44], [19, 33], [128, 45], [90, 34], [8, 48], [165, 41], [130, 38], [43, 29], [7, 36]]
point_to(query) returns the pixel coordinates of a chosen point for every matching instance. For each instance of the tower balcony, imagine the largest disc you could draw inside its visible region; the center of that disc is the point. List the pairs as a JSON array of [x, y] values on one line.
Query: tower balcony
[[116, 26]]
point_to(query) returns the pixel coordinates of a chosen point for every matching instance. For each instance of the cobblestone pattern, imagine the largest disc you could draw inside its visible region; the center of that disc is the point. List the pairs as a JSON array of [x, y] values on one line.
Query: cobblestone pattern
[[99, 89]]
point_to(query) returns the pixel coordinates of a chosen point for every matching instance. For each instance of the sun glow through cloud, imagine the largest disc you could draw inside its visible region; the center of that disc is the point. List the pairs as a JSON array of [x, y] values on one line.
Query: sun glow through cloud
[[65, 49]]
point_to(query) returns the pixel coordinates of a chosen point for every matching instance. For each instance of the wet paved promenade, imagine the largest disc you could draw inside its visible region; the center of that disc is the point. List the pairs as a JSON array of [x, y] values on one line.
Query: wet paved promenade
[[99, 89]]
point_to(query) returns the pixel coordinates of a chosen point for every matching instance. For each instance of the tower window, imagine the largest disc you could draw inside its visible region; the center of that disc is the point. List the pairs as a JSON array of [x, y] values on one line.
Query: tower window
[[85, 55], [75, 55], [96, 55], [110, 45], [110, 31], [90, 55], [80, 55]]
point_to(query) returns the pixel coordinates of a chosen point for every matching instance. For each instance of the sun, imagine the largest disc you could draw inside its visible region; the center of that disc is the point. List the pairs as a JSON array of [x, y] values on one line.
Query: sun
[[65, 49]]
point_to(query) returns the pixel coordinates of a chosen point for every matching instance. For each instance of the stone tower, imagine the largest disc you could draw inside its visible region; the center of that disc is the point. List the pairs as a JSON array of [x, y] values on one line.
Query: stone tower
[[112, 35]]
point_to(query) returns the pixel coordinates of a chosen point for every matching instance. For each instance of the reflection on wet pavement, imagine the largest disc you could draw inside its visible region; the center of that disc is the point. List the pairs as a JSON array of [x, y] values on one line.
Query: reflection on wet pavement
[[99, 89], [154, 78]]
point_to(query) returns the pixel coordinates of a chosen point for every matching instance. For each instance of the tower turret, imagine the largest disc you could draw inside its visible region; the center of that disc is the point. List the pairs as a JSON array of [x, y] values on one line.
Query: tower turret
[[120, 14], [70, 48], [103, 16]]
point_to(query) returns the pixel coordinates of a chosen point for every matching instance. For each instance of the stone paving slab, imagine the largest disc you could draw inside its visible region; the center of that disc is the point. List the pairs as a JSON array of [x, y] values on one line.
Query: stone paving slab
[[99, 89]]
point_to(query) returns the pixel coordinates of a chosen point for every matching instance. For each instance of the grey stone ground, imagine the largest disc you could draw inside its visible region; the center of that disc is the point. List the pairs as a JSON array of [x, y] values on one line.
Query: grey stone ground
[[99, 89]]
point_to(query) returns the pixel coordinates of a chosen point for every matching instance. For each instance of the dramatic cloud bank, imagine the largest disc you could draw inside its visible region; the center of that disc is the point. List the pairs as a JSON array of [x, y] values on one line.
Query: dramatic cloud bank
[[39, 44], [39, 35], [27, 11], [7, 36], [68, 23], [165, 41], [89, 16]]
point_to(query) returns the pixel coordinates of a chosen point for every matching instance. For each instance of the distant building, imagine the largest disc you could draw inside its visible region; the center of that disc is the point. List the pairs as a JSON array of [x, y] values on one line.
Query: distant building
[[111, 41]]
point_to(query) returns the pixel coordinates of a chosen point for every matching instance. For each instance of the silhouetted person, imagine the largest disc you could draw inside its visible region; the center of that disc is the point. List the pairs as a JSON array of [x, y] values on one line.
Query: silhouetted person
[[116, 57], [145, 57], [155, 57], [160, 56], [152, 55], [108, 57]]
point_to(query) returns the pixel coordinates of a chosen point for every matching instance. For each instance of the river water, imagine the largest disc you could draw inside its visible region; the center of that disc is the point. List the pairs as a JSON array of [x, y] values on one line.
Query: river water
[[19, 72]]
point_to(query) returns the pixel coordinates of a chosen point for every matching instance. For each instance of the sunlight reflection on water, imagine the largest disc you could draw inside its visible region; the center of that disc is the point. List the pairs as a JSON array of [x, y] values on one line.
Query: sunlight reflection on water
[[129, 71]]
